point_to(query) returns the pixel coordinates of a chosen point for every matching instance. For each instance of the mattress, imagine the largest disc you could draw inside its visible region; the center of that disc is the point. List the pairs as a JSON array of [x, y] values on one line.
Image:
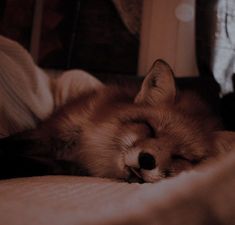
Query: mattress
[[198, 197]]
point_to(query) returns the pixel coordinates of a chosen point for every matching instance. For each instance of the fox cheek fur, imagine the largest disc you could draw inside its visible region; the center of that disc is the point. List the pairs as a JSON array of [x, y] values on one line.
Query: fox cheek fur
[[121, 133]]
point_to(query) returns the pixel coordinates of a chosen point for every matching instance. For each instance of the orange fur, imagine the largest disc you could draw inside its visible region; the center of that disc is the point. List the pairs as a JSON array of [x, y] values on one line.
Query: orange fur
[[104, 131]]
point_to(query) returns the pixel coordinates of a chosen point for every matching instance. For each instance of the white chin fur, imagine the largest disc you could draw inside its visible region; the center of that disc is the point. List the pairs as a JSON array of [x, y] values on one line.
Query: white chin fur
[[151, 176], [131, 158]]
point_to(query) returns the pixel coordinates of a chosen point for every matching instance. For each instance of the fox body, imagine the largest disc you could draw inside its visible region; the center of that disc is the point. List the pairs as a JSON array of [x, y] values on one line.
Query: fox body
[[124, 133]]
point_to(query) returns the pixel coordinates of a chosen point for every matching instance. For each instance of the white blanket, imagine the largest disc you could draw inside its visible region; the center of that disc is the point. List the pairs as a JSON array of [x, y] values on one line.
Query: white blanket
[[27, 93], [27, 96]]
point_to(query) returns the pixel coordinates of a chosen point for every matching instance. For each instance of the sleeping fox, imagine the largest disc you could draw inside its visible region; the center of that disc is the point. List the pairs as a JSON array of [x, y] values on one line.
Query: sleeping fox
[[118, 132]]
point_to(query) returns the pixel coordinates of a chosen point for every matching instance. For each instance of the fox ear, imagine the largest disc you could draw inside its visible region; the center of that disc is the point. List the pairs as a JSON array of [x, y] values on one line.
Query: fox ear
[[158, 85]]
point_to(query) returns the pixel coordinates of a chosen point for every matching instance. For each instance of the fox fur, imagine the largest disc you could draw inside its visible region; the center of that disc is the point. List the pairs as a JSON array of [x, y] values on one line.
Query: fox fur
[[104, 131]]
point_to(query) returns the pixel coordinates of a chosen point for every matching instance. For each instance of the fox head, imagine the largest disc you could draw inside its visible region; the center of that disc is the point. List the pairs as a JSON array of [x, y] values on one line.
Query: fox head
[[155, 133]]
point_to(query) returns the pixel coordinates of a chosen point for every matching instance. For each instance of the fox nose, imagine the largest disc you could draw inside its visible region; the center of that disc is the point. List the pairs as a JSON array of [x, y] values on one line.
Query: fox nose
[[146, 161]]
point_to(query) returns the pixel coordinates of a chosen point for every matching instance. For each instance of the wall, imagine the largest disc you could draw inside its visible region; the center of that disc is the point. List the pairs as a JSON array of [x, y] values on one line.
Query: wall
[[168, 32]]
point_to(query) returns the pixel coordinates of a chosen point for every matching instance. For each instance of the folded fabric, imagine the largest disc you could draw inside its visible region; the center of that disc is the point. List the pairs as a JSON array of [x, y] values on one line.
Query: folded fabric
[[28, 95]]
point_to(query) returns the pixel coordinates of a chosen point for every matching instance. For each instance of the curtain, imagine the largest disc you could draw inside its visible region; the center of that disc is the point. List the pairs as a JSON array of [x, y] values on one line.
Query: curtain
[[130, 13], [215, 41]]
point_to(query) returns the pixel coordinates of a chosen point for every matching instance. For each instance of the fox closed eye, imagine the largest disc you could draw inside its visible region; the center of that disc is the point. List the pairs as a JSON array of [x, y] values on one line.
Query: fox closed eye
[[181, 157], [152, 131]]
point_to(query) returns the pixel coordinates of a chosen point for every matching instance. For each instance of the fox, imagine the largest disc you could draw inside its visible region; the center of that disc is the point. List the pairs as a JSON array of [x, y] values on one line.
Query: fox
[[125, 133]]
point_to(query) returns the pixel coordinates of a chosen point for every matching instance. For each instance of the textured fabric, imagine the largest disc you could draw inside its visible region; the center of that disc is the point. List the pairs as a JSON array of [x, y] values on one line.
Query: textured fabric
[[194, 198], [215, 41], [28, 95], [71, 83], [24, 89]]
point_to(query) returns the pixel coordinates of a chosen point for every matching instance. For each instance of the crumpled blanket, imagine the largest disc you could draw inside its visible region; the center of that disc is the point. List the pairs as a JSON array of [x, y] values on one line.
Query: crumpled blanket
[[28, 94]]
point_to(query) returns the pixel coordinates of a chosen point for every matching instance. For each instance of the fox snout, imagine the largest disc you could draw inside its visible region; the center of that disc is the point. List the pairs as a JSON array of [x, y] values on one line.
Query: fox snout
[[150, 166], [146, 161], [139, 162]]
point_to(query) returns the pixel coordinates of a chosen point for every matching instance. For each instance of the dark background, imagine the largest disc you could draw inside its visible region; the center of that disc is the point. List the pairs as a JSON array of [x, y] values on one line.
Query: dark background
[[86, 34]]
